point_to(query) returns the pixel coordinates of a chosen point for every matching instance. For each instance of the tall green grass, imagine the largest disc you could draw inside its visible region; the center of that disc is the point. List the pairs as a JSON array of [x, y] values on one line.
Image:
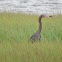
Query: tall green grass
[[15, 32]]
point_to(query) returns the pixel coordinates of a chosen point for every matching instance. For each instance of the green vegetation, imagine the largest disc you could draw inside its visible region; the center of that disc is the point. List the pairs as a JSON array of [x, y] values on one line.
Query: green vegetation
[[15, 31]]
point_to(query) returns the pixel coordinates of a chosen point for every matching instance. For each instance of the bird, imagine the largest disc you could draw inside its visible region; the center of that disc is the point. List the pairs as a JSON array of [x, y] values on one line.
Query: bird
[[37, 35]]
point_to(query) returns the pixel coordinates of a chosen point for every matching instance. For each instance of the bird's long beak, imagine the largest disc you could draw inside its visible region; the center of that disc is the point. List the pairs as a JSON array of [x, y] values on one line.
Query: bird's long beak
[[48, 16]]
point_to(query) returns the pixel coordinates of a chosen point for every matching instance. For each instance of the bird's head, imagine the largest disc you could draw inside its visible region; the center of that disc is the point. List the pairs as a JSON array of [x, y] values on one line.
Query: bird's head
[[43, 15]]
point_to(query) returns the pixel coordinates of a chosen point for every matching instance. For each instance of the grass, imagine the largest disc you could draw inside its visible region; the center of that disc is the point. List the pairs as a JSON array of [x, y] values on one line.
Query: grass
[[15, 31]]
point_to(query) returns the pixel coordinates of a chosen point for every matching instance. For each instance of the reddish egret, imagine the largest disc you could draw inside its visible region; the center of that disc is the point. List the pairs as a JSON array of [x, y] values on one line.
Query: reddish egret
[[37, 35]]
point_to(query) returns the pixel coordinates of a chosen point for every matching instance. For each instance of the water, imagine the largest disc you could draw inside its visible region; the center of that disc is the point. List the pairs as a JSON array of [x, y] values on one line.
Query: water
[[32, 6]]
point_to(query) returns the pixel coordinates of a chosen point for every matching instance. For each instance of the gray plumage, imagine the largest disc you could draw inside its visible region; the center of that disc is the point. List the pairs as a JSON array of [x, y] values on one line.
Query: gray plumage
[[37, 35]]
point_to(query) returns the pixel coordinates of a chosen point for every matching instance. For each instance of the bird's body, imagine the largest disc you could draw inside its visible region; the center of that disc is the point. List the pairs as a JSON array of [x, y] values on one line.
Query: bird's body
[[37, 35]]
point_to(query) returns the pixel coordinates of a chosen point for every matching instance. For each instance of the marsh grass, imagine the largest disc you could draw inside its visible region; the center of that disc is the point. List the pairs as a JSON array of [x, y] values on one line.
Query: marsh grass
[[15, 31]]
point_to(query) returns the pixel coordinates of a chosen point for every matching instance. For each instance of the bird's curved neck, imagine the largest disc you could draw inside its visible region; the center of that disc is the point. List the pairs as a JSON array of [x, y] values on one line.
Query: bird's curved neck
[[40, 25]]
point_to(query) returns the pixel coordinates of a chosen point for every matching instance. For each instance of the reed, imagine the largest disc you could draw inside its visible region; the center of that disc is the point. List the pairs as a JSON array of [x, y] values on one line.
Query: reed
[[15, 32]]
